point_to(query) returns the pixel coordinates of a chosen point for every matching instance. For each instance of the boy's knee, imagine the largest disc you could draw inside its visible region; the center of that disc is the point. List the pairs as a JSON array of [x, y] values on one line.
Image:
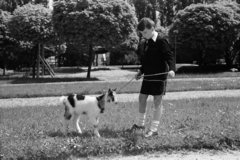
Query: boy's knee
[[158, 100], [142, 98]]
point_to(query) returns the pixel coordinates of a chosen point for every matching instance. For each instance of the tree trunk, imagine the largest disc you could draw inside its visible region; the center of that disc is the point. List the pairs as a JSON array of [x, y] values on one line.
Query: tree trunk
[[238, 59], [35, 50], [43, 57], [59, 61], [200, 58], [38, 59], [90, 60], [96, 59], [228, 59], [4, 63]]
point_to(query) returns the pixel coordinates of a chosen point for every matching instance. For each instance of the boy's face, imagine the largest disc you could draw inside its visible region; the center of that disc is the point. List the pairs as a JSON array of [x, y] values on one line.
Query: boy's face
[[147, 33]]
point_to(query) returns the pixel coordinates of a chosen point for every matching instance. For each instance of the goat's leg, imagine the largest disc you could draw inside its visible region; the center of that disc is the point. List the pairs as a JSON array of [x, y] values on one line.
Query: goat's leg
[[94, 121], [66, 120], [75, 121], [65, 126]]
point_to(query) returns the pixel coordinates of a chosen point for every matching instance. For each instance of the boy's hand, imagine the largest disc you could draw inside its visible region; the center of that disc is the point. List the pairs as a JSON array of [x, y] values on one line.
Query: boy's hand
[[138, 75], [171, 73]]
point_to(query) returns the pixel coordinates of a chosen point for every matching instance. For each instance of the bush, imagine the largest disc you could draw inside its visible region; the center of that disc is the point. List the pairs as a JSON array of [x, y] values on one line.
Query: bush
[[129, 58]]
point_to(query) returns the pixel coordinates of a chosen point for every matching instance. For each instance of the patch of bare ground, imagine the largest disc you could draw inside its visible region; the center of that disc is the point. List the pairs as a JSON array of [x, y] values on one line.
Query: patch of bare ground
[[51, 101], [182, 155]]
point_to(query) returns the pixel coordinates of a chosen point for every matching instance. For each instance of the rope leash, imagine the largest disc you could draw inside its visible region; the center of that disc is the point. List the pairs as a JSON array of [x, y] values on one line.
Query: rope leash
[[126, 84], [149, 75]]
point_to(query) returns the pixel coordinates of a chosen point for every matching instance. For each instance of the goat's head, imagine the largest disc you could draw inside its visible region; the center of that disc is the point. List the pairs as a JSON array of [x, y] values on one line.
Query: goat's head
[[68, 109], [111, 95]]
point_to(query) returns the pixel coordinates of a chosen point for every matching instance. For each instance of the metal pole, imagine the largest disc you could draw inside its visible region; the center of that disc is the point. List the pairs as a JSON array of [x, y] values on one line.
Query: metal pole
[[175, 33], [38, 59], [175, 49]]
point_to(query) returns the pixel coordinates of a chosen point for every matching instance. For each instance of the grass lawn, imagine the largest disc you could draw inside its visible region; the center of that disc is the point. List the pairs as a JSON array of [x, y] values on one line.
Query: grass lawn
[[76, 74], [102, 78], [34, 132]]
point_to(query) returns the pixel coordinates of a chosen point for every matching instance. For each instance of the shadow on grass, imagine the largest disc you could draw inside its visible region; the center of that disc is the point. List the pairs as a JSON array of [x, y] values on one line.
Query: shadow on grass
[[71, 134], [69, 70], [193, 69], [44, 80], [202, 69], [105, 133], [100, 69]]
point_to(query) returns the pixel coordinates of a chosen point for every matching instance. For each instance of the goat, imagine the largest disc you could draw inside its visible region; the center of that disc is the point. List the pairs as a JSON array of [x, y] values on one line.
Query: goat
[[75, 105]]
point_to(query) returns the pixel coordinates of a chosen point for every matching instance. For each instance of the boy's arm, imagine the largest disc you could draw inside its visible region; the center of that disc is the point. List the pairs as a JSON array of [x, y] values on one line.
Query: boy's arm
[[140, 72], [168, 55], [141, 69]]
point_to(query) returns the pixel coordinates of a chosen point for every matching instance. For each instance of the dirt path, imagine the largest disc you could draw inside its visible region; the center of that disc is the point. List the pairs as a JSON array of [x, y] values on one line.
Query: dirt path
[[51, 101], [201, 155]]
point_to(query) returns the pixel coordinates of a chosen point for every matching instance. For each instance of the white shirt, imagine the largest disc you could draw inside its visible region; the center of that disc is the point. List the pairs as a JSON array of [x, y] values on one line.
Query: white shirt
[[154, 37]]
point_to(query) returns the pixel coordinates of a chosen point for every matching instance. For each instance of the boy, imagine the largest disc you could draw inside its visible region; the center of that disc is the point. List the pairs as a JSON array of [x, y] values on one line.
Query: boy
[[158, 58]]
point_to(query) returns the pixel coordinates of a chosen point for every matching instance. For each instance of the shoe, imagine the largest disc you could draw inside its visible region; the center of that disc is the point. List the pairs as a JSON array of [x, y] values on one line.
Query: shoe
[[150, 134], [136, 128]]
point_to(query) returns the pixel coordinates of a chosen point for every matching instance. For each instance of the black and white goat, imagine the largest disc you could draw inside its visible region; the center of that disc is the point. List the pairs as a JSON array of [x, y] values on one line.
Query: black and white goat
[[75, 105]]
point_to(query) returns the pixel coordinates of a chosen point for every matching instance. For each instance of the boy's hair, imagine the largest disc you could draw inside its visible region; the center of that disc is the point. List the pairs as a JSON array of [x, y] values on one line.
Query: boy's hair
[[145, 23]]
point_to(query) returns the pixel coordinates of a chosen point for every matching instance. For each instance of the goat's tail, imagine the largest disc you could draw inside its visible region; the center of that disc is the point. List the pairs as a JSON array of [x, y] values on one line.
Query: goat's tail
[[63, 99]]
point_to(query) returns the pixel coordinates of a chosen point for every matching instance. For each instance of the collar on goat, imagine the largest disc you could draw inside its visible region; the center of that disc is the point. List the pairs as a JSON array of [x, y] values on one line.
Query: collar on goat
[[101, 102]]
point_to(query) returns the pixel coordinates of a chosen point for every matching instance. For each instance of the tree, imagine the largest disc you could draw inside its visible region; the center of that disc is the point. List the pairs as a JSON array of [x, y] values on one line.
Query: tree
[[206, 27], [11, 5], [6, 41], [94, 23], [145, 8], [33, 23]]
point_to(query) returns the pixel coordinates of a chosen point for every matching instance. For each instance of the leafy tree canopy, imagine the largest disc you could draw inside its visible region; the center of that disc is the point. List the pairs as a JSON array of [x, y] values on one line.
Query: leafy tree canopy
[[206, 26], [100, 23], [4, 19], [7, 43], [32, 23]]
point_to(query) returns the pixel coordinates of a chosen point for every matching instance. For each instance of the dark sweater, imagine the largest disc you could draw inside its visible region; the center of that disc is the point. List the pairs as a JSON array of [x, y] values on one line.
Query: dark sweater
[[158, 58]]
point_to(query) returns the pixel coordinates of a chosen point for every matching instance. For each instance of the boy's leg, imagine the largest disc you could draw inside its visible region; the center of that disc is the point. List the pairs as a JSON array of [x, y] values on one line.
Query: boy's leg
[[142, 112], [142, 109], [157, 114]]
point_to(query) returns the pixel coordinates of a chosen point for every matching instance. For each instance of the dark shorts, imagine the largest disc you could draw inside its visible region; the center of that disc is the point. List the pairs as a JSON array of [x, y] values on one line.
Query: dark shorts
[[153, 87]]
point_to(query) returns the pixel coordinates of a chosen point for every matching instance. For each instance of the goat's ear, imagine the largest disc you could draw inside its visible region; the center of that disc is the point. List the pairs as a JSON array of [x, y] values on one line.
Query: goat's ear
[[114, 89]]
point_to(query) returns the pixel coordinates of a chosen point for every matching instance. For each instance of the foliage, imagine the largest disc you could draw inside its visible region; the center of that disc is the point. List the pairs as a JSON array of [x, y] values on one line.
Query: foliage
[[102, 23], [76, 55], [7, 43], [145, 8], [11, 5], [32, 23], [204, 27], [11, 51], [130, 44], [162, 31], [126, 58], [167, 10], [5, 37]]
